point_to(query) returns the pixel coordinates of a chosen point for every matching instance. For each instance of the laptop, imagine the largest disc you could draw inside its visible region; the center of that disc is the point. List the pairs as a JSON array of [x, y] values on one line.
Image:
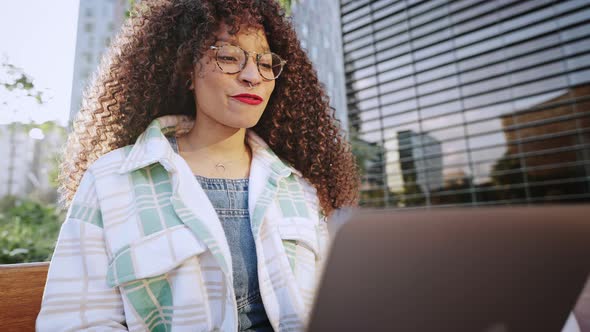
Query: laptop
[[480, 269]]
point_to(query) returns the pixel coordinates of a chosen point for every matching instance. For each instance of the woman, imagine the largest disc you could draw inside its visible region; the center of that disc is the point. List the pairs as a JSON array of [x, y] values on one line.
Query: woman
[[199, 176]]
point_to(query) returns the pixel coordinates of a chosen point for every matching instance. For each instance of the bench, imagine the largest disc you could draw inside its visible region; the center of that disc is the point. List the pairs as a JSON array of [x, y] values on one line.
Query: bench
[[21, 289], [22, 286]]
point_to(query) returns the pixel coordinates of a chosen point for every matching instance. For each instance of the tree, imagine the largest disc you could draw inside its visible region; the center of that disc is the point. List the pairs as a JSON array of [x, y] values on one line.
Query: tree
[[287, 4], [18, 85], [28, 228], [14, 78]]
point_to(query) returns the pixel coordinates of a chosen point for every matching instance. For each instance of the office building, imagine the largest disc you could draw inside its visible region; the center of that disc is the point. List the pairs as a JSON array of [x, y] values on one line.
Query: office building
[[98, 22], [500, 87], [318, 27]]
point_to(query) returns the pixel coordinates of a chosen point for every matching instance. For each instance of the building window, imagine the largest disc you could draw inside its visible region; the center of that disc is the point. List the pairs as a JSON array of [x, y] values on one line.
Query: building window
[[485, 111], [87, 57], [326, 42]]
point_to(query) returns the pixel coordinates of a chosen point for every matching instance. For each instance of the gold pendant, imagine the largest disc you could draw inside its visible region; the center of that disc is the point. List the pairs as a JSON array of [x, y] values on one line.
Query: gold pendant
[[220, 168]]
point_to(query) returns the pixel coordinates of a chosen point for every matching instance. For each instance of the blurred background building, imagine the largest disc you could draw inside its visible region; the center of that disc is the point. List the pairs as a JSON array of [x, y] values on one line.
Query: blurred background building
[[318, 26], [472, 102], [30, 159], [98, 21]]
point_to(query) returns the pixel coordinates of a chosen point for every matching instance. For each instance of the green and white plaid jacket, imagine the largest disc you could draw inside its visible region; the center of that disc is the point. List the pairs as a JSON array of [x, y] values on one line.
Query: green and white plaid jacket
[[142, 248]]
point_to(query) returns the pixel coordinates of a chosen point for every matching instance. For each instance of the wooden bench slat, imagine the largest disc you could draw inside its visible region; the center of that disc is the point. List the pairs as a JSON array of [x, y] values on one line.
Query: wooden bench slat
[[21, 288]]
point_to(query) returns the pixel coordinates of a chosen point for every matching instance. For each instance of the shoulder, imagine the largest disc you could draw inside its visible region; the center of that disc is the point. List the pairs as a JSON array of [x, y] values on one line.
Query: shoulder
[[307, 187], [103, 180], [105, 165], [110, 162], [309, 192]]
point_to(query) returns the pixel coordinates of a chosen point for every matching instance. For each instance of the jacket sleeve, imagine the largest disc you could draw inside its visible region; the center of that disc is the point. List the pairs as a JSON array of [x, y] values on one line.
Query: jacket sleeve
[[324, 237], [76, 296]]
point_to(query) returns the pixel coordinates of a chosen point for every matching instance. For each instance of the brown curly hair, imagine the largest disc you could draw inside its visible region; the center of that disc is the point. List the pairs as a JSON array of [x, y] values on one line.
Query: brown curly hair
[[144, 76]]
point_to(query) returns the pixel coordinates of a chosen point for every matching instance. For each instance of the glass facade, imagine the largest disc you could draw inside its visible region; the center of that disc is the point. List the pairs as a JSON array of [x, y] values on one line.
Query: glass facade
[[455, 103], [318, 27]]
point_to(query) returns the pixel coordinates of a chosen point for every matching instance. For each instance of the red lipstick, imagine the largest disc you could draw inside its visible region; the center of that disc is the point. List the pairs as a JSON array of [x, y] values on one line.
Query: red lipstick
[[247, 98]]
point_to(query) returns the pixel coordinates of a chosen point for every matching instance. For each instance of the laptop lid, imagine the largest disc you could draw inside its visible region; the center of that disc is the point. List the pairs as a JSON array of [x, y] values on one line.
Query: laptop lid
[[481, 269]]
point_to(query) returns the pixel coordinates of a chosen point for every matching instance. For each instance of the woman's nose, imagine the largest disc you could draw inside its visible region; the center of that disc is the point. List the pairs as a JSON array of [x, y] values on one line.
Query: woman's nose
[[250, 73]]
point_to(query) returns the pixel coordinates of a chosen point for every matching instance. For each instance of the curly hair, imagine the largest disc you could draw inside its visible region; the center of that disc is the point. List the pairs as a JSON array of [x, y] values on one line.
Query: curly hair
[[144, 75]]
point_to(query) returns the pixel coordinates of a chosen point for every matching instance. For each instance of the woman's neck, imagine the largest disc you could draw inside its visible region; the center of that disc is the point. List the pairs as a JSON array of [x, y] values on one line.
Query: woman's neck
[[219, 143], [209, 144]]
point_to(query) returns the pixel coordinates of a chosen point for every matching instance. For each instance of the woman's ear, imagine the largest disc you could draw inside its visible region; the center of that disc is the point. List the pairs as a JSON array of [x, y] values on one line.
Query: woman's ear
[[190, 83]]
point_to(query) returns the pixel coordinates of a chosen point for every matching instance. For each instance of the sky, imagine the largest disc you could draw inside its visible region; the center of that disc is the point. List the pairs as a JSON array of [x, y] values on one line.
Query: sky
[[39, 36]]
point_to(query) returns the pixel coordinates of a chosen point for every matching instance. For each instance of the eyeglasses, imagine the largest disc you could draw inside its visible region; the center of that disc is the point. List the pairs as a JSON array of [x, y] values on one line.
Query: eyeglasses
[[232, 59]]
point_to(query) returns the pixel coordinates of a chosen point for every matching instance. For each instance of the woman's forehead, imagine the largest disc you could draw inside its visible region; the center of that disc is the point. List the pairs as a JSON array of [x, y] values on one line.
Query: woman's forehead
[[251, 37]]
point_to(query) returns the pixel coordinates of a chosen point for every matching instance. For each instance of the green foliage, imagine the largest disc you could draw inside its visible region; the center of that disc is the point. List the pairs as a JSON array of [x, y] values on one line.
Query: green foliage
[[18, 79], [128, 12], [134, 8], [54, 170], [286, 4], [28, 230]]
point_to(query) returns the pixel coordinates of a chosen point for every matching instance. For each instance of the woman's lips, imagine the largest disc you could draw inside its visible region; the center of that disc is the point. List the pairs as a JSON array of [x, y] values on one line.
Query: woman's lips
[[247, 98]]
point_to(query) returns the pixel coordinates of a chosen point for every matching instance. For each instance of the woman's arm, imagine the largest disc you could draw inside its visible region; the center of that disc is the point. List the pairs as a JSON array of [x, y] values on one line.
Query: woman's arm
[[76, 294]]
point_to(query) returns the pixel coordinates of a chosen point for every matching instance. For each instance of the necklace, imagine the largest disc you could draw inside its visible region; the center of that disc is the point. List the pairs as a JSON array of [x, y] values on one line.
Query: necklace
[[220, 166]]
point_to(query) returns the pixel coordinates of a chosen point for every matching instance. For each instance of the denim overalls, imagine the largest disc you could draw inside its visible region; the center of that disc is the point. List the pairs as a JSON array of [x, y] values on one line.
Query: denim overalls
[[229, 197]]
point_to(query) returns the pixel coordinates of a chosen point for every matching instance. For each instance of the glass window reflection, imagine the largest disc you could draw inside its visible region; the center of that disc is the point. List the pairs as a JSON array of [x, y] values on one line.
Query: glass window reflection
[[395, 52], [398, 107], [474, 8], [397, 96], [437, 72], [442, 122], [439, 97], [480, 21], [437, 85], [536, 73], [400, 118], [368, 115], [574, 32], [488, 112], [440, 109], [369, 126], [357, 34], [477, 102], [484, 73], [489, 154], [481, 141], [396, 85], [579, 77], [486, 85], [448, 134], [431, 39], [539, 86], [487, 126], [487, 98]]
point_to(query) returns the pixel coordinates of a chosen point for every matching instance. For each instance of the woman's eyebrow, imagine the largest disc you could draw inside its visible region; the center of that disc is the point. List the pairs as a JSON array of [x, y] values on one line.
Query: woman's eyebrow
[[234, 43], [227, 39]]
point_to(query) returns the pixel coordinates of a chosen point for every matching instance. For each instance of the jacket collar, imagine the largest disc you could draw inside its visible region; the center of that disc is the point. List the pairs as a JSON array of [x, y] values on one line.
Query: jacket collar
[[152, 147]]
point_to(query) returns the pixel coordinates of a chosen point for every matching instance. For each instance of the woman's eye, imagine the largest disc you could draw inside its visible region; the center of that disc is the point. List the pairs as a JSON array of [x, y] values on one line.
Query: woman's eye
[[227, 58]]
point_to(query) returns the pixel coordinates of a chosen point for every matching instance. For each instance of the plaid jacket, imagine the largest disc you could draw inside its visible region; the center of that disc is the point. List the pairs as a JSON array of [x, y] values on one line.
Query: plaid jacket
[[142, 248]]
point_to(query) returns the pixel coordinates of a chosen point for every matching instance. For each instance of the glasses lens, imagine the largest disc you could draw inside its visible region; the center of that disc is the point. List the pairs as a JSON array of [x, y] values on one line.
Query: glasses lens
[[270, 66], [230, 59]]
